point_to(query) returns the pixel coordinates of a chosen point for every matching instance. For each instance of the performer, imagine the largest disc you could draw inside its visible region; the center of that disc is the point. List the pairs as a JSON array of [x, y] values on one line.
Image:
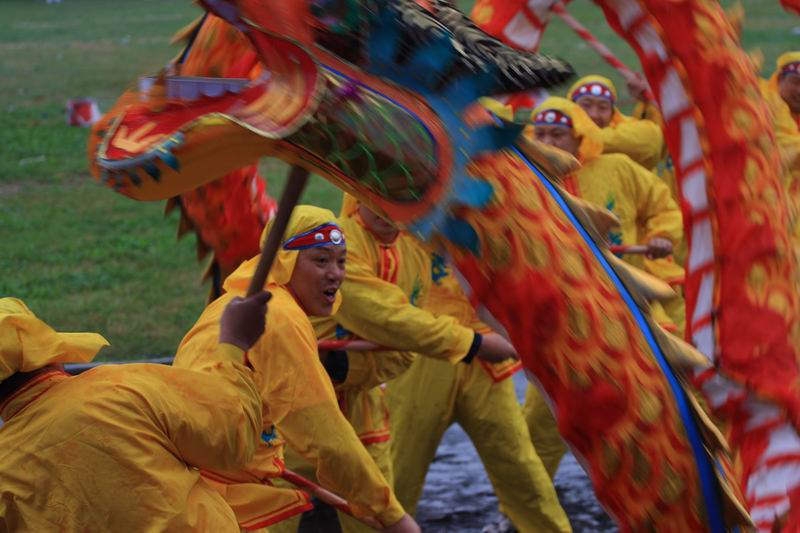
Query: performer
[[117, 448], [299, 403], [642, 202], [641, 140], [387, 279], [786, 82], [530, 254], [480, 397], [781, 91]]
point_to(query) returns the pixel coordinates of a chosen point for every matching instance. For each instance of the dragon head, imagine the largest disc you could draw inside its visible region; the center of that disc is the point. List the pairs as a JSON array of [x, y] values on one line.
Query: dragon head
[[371, 94]]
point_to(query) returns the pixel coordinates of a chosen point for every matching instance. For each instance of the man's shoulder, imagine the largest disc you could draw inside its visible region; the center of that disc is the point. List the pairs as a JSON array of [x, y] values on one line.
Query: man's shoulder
[[613, 160]]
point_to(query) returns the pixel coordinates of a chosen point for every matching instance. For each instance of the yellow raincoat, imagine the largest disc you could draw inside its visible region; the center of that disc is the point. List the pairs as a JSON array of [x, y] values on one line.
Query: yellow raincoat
[[787, 136], [299, 404], [433, 394], [641, 201], [639, 139], [383, 289], [114, 449], [783, 60]]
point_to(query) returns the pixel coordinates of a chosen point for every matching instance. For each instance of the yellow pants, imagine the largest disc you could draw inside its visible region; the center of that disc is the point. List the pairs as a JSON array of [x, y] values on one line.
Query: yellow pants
[[379, 452], [543, 430], [429, 397]]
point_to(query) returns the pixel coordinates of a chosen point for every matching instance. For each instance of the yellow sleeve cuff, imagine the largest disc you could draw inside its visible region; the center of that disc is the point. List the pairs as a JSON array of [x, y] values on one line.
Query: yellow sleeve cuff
[[229, 352], [393, 513]]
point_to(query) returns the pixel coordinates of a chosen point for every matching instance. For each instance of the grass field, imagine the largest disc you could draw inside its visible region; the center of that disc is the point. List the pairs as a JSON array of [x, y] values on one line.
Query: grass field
[[86, 259]]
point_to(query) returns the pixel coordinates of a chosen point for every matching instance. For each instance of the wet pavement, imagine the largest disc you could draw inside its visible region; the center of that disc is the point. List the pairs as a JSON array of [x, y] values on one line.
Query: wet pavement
[[459, 498]]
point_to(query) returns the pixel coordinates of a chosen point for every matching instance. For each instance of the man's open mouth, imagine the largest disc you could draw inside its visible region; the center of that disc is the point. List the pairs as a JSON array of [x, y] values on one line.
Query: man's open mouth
[[330, 295]]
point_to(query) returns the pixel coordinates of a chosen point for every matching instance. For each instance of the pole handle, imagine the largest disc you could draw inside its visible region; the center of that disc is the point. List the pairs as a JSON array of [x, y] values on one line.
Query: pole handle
[[298, 177]]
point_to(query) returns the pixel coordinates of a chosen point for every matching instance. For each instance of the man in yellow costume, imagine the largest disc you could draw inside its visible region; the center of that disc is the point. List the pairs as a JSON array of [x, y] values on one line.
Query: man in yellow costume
[[299, 404], [785, 82], [647, 215], [387, 279], [480, 396], [117, 448], [782, 93], [639, 139]]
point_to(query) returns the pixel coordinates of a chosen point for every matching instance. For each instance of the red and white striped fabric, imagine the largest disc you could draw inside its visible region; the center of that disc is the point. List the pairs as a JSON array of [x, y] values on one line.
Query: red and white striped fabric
[[699, 76], [519, 23], [768, 444]]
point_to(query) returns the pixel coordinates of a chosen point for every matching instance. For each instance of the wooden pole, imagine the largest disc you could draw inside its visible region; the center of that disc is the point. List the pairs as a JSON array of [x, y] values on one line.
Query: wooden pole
[[353, 345], [298, 177], [560, 10], [639, 249]]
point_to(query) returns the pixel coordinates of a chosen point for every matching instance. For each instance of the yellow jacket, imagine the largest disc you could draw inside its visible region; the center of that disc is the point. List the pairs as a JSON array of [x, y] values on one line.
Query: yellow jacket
[[787, 131], [384, 287], [299, 405], [787, 137], [641, 201], [384, 291], [113, 449], [447, 298], [783, 60], [639, 139]]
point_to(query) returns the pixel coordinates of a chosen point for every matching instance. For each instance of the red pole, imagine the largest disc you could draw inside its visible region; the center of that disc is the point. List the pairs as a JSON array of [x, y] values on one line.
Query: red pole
[[559, 9], [328, 497]]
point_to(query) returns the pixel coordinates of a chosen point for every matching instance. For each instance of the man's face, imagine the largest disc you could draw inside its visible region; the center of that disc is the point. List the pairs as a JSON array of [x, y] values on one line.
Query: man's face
[[317, 276], [599, 109], [385, 231], [789, 88], [558, 136]]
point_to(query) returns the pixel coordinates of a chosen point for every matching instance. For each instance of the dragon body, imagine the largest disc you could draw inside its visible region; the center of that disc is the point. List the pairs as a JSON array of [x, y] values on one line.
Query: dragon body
[[373, 96], [740, 292]]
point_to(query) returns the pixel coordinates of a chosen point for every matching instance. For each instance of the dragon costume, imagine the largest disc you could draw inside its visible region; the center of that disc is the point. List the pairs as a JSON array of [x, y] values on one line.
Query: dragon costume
[[740, 291], [372, 95]]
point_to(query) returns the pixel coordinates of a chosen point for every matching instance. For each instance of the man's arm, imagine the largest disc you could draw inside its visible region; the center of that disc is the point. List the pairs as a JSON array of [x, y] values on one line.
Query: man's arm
[[303, 407], [379, 311], [213, 413], [351, 370], [657, 213], [641, 140]]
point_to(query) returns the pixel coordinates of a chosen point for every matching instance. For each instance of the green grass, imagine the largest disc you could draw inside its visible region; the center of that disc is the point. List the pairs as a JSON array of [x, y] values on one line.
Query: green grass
[[86, 259]]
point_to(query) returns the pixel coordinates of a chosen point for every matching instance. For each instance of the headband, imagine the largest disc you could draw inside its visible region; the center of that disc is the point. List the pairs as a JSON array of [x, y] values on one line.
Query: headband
[[790, 68], [552, 117], [328, 234], [593, 88]]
